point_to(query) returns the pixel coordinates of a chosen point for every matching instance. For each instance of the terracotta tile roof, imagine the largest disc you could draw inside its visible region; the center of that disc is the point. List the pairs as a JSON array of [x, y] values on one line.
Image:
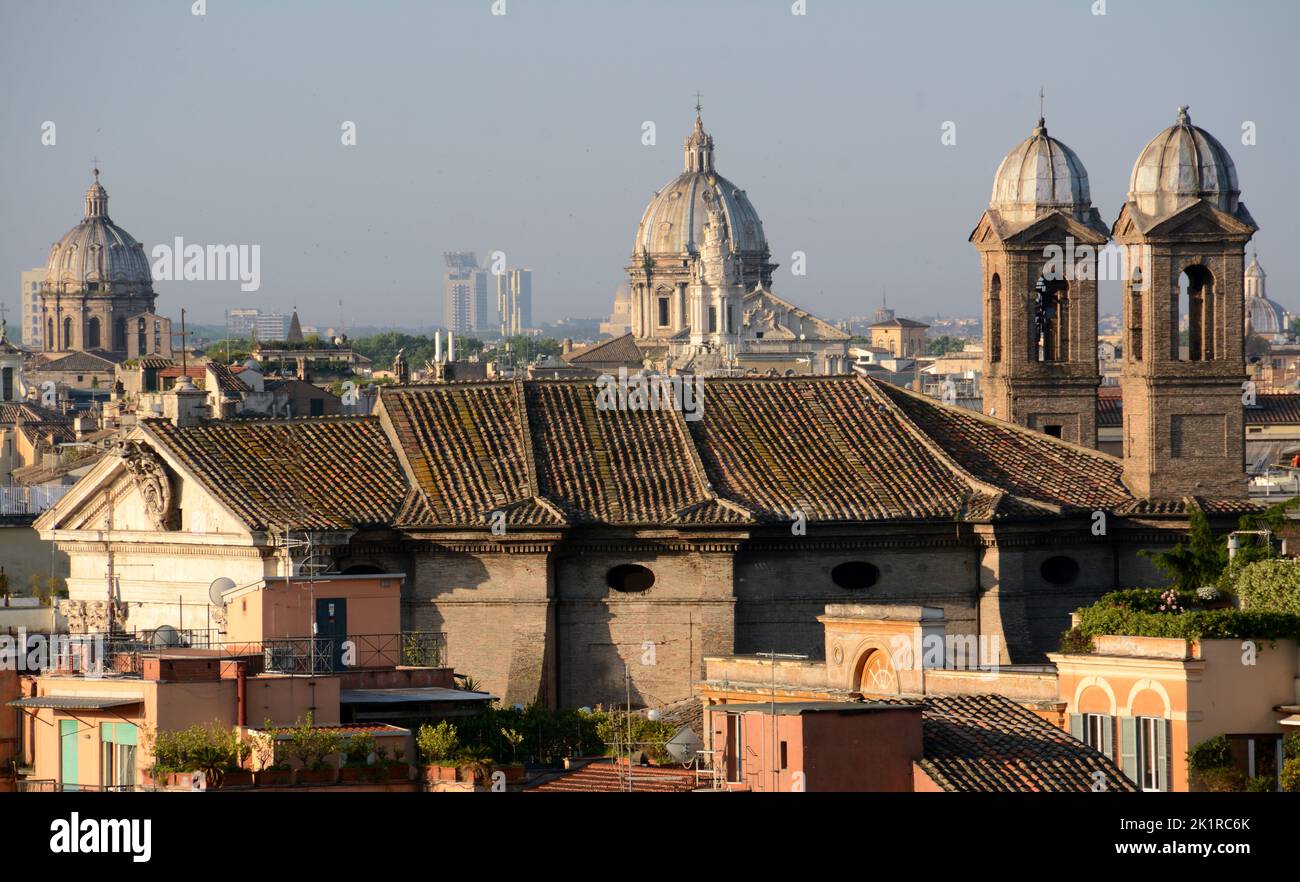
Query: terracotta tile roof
[[1028, 464], [617, 350], [226, 381], [315, 473], [14, 413], [608, 776], [611, 466], [846, 449], [828, 447], [1270, 409], [991, 743], [463, 445], [84, 362]]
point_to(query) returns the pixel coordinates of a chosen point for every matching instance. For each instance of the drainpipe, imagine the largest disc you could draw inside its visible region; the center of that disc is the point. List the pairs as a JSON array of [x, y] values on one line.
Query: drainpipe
[[241, 693]]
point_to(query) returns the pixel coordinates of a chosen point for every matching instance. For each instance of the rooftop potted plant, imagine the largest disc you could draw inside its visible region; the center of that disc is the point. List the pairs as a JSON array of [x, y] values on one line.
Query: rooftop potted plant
[[360, 757], [439, 747]]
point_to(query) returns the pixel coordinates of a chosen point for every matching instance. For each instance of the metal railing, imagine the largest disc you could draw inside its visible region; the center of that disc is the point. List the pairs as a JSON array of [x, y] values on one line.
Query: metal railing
[[48, 785], [21, 500], [124, 653]]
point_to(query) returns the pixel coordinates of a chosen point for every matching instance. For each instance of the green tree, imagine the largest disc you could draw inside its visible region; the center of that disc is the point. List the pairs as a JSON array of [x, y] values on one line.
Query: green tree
[[1198, 561]]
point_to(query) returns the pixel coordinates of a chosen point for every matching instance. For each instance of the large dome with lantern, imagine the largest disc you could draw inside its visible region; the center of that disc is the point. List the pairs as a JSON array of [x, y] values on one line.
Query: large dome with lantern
[[98, 256]]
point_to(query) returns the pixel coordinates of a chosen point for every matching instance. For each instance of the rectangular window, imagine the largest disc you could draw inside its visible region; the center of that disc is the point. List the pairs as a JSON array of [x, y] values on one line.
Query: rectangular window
[[737, 750], [713, 320], [1097, 729], [785, 756], [117, 758], [1151, 753], [663, 312]]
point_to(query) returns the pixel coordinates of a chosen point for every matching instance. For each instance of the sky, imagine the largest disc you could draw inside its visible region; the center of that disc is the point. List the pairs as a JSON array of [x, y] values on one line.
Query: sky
[[523, 133]]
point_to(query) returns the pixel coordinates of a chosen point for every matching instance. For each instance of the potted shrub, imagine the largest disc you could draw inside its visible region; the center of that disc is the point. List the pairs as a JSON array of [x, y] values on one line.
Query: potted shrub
[[359, 756], [475, 765], [439, 747], [515, 772], [310, 746]]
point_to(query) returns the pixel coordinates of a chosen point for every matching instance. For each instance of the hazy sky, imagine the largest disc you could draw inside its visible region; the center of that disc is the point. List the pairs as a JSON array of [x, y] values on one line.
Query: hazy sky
[[522, 133]]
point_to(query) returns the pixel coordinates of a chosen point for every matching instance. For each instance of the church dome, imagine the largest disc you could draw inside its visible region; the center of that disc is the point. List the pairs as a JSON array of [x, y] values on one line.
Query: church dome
[[1180, 165], [97, 254], [1263, 316], [673, 222], [1039, 175]]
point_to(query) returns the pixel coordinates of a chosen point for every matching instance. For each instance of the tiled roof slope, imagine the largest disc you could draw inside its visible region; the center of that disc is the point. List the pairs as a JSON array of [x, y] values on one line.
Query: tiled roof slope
[[1270, 409], [13, 413], [610, 776], [608, 465], [1027, 464], [838, 449], [822, 446], [464, 446], [616, 349], [320, 473], [990, 743]]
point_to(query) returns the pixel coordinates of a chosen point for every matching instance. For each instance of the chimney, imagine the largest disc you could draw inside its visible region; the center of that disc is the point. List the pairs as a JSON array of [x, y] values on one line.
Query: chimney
[[567, 345], [185, 404]]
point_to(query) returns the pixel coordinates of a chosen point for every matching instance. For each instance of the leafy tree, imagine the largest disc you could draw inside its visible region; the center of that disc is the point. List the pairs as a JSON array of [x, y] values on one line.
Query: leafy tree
[[1198, 561], [1270, 586], [439, 743]]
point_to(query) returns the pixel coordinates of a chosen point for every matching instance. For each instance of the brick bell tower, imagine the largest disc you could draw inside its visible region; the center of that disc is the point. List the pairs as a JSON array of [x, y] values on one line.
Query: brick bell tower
[[1036, 242], [1185, 231]]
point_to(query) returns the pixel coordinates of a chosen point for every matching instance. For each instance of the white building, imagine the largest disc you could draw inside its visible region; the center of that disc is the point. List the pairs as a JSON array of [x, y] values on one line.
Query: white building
[[33, 283]]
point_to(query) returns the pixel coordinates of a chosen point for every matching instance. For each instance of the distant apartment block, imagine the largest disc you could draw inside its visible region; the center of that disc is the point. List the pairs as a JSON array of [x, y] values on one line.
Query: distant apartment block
[[465, 302], [515, 301], [246, 323], [33, 282]]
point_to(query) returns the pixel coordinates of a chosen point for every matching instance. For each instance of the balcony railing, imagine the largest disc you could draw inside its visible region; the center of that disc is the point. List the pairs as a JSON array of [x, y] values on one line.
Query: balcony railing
[[47, 785], [124, 653], [19, 500]]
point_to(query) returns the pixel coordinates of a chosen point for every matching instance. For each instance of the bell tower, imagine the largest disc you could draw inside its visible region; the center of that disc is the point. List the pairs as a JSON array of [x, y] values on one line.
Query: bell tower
[[1185, 231], [1038, 242]]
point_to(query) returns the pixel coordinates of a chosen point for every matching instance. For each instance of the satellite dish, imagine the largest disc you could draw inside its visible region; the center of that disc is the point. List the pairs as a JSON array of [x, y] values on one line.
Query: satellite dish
[[164, 636], [685, 746], [218, 588]]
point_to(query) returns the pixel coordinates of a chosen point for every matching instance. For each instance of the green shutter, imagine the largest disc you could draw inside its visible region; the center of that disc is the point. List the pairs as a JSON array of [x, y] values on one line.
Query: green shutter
[[1128, 760], [1162, 755], [1076, 726], [1108, 736]]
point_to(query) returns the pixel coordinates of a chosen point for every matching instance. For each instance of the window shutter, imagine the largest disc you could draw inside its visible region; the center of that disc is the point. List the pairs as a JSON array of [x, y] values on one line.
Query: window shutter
[[1128, 747], [1162, 755], [1076, 726], [1108, 737]]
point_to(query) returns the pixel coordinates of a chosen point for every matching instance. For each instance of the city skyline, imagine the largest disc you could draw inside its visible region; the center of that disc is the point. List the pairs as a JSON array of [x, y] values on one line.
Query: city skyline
[[551, 169]]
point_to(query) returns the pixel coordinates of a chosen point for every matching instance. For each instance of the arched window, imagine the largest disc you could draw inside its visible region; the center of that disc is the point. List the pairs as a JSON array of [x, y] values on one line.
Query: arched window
[[49, 335], [67, 332], [1051, 321], [995, 318], [92, 334], [142, 337], [1196, 302], [119, 334], [1136, 288]]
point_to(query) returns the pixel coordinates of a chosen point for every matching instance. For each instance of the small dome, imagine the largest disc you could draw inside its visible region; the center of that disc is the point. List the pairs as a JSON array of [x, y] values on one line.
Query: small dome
[[1263, 316], [98, 252], [1180, 165], [1039, 175], [673, 222]]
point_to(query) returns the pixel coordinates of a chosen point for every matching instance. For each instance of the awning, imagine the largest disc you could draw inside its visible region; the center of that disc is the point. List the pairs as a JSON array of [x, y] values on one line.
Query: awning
[[412, 695], [77, 702]]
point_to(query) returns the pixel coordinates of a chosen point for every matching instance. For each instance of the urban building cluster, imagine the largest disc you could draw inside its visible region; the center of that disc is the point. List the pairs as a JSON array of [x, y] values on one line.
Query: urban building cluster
[[821, 579]]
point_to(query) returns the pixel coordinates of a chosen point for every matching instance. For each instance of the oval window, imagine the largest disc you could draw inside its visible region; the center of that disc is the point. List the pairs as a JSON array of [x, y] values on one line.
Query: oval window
[[630, 577], [1059, 570], [855, 575]]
